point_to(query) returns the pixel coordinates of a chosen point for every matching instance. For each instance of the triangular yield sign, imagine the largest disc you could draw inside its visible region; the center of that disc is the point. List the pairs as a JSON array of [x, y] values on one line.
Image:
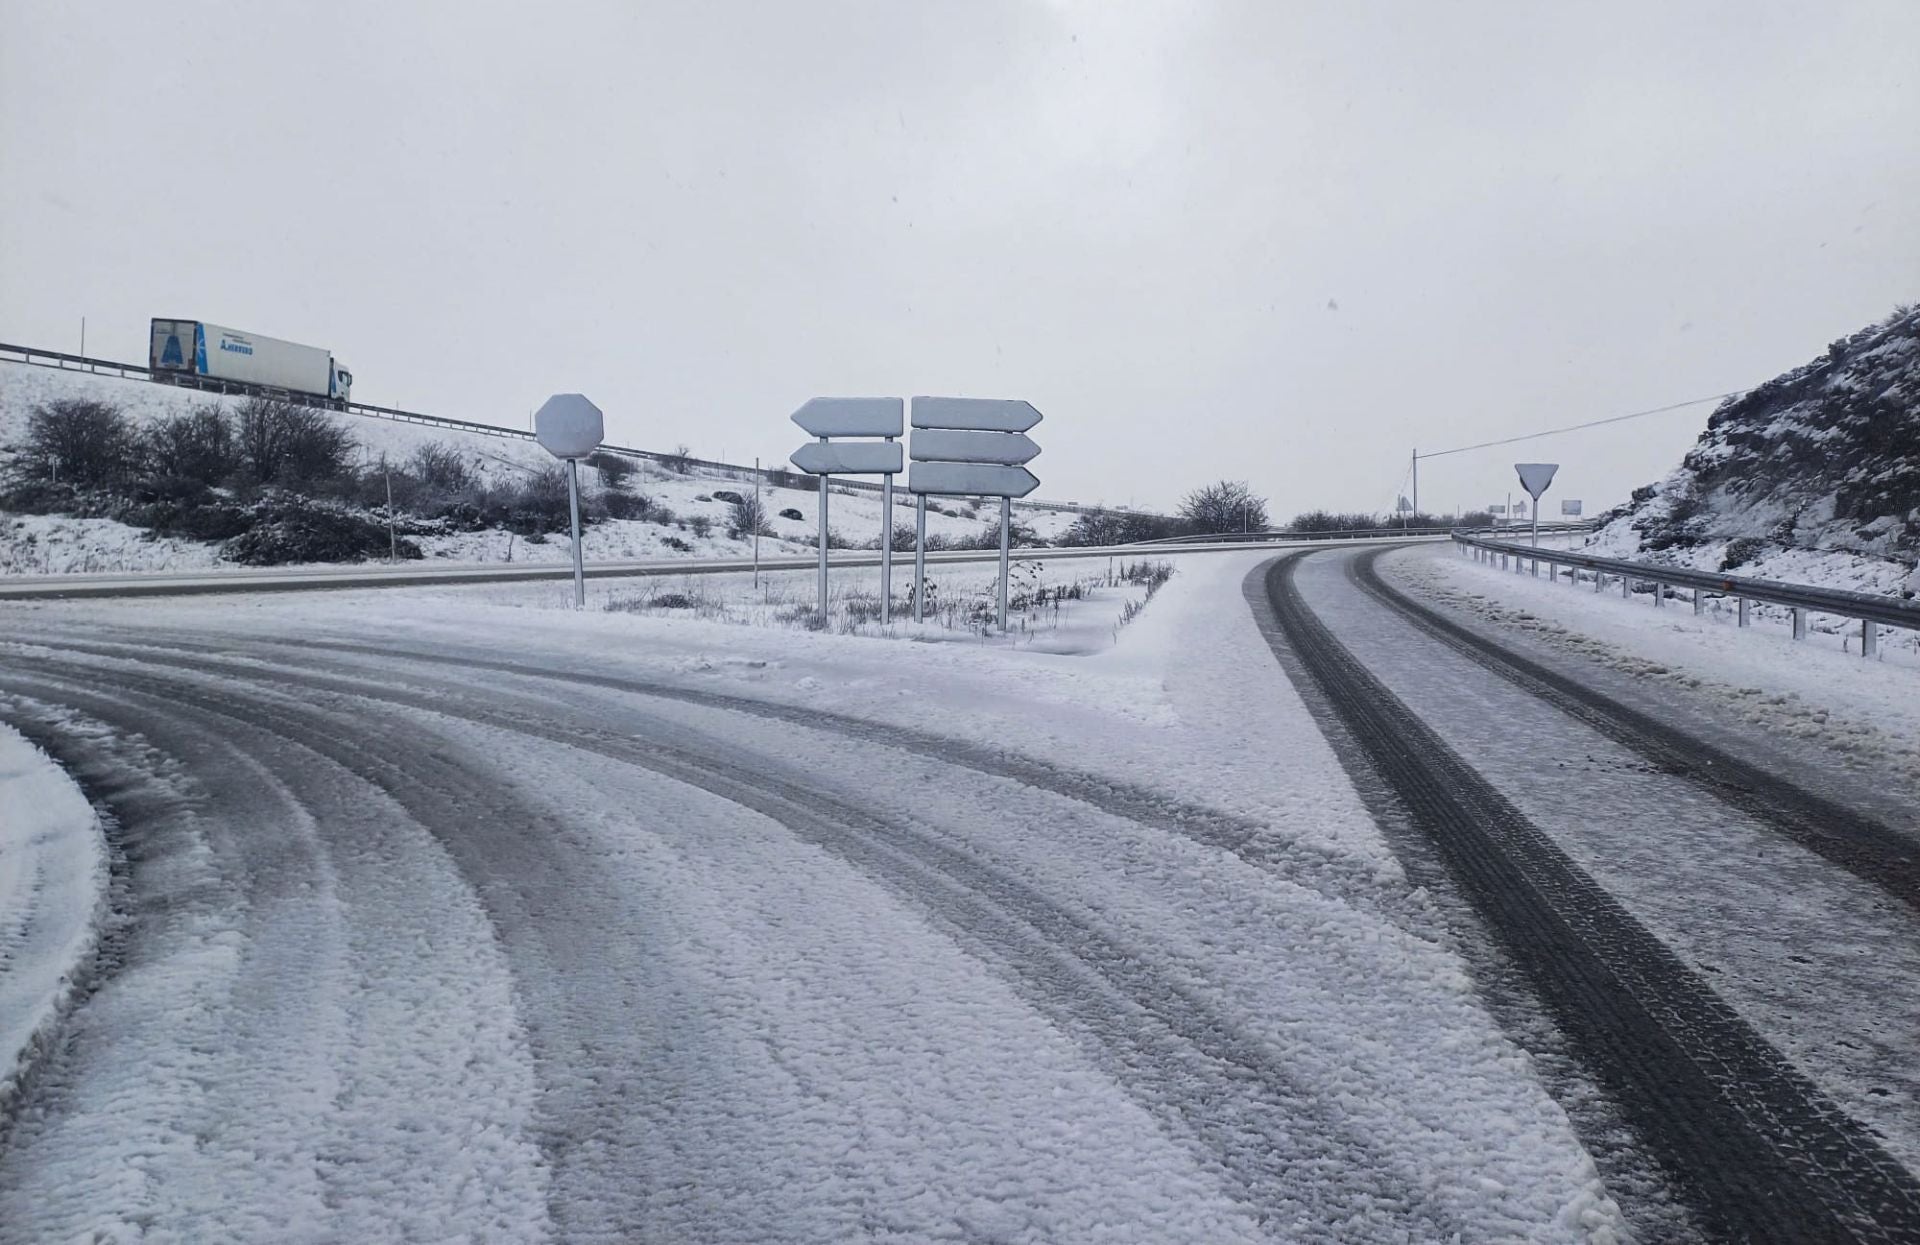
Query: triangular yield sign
[[1534, 477]]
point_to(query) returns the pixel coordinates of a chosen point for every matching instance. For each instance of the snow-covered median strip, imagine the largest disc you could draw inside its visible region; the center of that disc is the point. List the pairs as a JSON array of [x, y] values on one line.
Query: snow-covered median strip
[[53, 888]]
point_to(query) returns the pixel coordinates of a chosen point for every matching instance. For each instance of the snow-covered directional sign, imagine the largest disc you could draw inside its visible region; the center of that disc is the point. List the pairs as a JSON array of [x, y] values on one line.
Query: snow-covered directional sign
[[852, 417], [970, 480], [983, 414], [1534, 477], [848, 458], [959, 446], [1570, 506], [969, 447], [568, 426]]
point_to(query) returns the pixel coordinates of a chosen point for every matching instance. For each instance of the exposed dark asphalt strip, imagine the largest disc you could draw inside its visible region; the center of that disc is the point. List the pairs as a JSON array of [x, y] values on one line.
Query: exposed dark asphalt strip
[[1864, 847], [1756, 1149], [1182, 1060]]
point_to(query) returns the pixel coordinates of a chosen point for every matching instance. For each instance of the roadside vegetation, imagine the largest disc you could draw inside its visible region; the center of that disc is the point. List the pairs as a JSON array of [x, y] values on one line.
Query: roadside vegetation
[[272, 482]]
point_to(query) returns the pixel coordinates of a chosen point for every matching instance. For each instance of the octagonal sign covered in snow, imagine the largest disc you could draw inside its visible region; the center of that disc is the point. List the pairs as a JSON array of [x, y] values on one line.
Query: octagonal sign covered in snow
[[568, 426]]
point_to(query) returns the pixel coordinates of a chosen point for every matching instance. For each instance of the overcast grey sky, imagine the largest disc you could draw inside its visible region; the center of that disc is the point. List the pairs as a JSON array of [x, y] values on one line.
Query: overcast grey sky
[[1285, 242]]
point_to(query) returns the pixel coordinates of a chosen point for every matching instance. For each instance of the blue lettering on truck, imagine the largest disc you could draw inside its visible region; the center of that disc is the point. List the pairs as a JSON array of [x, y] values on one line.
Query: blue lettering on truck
[[228, 344]]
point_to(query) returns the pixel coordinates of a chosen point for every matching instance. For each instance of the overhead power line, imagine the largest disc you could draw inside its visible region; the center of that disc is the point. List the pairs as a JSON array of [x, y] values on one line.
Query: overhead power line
[[1592, 423]]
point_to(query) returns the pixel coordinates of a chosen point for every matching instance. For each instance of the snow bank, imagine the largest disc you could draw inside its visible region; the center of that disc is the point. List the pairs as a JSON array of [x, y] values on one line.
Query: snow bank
[[53, 897]]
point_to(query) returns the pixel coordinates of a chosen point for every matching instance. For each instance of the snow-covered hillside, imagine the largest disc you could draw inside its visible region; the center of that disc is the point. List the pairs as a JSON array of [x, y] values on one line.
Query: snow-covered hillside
[[1813, 477], [52, 544]]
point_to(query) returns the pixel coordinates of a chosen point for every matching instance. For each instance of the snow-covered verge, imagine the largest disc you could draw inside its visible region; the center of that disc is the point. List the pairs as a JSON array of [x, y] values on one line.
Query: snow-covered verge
[[53, 899], [1819, 691], [1812, 477], [37, 544], [1065, 605]]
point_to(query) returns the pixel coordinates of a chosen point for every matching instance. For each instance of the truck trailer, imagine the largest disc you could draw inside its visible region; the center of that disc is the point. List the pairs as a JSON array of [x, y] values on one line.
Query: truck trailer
[[193, 352]]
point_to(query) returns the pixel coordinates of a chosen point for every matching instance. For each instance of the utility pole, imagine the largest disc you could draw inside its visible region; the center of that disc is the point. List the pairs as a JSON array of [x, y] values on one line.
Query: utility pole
[[393, 543], [756, 516], [1416, 486], [83, 335]]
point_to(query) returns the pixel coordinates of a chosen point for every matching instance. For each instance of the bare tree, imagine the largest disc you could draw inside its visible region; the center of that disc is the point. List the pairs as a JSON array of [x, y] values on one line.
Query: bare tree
[[1225, 506]]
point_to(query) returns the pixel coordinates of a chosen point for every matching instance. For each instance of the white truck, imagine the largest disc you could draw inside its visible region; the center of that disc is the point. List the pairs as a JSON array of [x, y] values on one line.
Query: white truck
[[193, 352]]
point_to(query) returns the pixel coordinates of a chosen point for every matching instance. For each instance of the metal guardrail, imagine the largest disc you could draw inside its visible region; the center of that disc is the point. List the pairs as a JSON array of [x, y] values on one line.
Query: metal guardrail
[[140, 371], [1354, 533], [1872, 611]]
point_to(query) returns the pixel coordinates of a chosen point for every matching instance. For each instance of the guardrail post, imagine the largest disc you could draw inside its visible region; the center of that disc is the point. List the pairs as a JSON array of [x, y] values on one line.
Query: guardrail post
[[1659, 594], [1869, 638], [1626, 588], [1699, 601], [1744, 618], [1599, 582], [1799, 623]]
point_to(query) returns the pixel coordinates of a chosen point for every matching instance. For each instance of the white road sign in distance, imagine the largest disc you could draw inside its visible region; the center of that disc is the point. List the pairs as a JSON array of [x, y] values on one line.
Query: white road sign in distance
[[1534, 477], [848, 458], [978, 414], [1570, 506], [971, 480], [568, 426], [852, 417]]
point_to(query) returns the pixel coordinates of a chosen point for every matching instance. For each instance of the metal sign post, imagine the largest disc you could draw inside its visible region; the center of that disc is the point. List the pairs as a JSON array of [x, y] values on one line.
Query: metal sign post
[[970, 447], [824, 529], [579, 557], [1535, 477], [827, 418], [569, 427], [919, 557]]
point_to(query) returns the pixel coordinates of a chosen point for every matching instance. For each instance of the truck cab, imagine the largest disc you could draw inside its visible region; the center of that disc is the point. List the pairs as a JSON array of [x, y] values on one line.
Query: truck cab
[[341, 390]]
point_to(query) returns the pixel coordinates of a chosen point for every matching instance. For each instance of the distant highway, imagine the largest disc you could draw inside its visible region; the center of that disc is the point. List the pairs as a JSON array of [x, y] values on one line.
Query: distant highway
[[416, 574]]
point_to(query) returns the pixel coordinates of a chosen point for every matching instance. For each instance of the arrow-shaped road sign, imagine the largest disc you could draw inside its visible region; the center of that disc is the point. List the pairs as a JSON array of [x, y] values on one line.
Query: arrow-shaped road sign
[[1534, 477], [956, 446], [971, 480], [848, 458], [979, 414], [852, 417]]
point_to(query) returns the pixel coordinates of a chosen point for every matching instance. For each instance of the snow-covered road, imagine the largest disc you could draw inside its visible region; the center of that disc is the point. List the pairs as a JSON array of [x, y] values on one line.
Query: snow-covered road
[[1732, 953], [462, 925]]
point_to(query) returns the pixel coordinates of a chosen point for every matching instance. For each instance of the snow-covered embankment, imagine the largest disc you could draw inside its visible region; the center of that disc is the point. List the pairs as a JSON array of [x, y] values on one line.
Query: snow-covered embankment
[[53, 892]]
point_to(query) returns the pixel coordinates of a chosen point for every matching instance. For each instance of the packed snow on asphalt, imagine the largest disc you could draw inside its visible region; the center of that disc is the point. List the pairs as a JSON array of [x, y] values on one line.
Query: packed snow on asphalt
[[421, 915]]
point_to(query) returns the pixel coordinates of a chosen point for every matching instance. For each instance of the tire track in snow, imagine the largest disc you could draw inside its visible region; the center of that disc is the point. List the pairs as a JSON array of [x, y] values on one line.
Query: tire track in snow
[[1189, 1065], [1864, 847], [260, 962], [1244, 837], [1761, 1154]]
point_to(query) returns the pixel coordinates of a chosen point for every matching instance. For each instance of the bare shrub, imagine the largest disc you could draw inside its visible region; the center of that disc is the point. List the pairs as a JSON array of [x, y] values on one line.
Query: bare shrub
[[192, 445], [747, 515], [80, 441], [282, 443], [614, 470], [441, 468]]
